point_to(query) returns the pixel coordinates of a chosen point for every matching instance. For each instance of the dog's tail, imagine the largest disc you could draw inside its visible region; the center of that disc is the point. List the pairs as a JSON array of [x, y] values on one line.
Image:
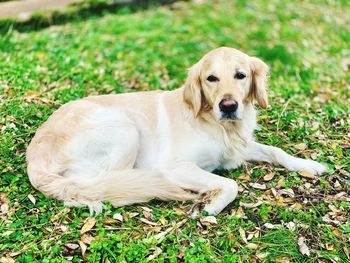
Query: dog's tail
[[120, 187]]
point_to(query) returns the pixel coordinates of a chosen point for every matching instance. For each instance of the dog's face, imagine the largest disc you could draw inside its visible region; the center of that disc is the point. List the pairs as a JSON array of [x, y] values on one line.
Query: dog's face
[[224, 81]]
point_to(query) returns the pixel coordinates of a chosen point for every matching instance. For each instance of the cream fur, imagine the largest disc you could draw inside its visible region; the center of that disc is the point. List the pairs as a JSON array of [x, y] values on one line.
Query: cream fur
[[134, 147]]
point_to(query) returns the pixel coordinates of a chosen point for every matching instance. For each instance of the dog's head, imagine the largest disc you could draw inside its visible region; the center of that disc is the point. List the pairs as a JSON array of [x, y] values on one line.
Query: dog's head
[[224, 81]]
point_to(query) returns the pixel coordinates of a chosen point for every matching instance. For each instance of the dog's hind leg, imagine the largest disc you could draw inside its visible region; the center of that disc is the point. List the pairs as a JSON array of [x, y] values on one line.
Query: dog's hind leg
[[88, 169], [217, 191]]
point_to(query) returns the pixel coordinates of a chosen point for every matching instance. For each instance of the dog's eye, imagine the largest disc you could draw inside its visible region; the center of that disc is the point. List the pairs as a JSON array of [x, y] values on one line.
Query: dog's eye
[[212, 78], [239, 75]]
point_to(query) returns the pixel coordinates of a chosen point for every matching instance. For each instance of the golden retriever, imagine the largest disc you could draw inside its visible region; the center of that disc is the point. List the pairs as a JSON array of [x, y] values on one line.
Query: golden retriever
[[134, 147]]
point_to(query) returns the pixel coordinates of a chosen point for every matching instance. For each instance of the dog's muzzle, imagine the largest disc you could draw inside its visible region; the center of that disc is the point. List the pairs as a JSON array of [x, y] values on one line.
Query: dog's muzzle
[[228, 108]]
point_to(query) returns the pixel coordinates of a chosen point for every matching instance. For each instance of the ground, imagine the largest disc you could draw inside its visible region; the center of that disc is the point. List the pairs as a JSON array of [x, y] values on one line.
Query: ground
[[279, 216]]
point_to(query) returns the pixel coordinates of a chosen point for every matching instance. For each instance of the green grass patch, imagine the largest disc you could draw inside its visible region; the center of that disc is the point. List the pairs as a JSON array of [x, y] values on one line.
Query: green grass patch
[[306, 45]]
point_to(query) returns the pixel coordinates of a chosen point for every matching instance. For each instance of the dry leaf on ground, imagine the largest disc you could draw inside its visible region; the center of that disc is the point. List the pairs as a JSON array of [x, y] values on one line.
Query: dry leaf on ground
[[243, 178], [209, 220], [250, 205], [32, 199], [7, 260], [301, 146], [258, 186], [179, 212], [156, 253], [286, 192], [280, 183], [118, 217], [87, 239], [303, 247], [161, 235], [243, 236], [291, 226], [329, 247], [269, 176], [148, 222], [15, 253], [89, 223], [252, 246], [72, 246], [283, 259], [271, 226], [346, 251], [307, 175], [4, 208], [83, 247], [147, 212]]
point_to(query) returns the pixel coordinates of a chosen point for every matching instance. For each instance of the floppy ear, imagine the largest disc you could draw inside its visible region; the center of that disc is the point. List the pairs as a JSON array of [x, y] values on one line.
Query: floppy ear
[[258, 89], [193, 90]]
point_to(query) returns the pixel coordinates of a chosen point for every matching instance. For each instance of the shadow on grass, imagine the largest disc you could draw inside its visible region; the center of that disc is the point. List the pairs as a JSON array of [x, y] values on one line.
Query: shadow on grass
[[78, 12]]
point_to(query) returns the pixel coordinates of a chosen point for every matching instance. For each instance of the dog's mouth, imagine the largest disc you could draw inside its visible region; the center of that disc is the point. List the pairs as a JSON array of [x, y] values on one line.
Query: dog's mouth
[[229, 116]]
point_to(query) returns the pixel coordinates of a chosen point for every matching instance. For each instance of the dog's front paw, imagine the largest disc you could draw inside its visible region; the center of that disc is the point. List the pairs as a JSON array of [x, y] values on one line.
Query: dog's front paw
[[313, 167]]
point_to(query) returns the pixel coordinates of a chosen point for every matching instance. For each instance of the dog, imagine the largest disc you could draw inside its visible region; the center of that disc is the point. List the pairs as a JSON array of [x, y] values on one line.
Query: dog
[[133, 147]]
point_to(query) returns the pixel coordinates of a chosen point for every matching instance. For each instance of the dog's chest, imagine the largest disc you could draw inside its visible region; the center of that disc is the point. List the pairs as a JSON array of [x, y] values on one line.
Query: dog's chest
[[227, 151], [207, 154], [212, 152]]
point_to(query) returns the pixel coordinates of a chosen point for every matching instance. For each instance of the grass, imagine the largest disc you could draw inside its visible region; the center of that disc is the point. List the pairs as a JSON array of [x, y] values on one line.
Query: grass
[[306, 44]]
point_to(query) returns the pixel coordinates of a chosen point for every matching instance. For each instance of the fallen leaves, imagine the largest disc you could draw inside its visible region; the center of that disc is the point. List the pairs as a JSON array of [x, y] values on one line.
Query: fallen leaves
[[300, 146], [238, 212], [147, 212], [243, 178], [243, 236], [286, 192], [346, 251], [252, 246], [179, 212], [281, 182], [72, 246], [255, 233], [148, 222], [337, 233], [7, 259], [271, 226], [14, 254], [295, 206], [160, 236], [118, 217], [4, 203], [329, 247], [87, 239], [269, 176], [258, 186], [32, 199], [157, 252], [283, 259], [262, 255], [60, 214], [308, 175], [291, 226], [303, 248], [209, 220], [88, 225], [307, 186], [251, 205], [335, 216], [4, 208], [83, 247]]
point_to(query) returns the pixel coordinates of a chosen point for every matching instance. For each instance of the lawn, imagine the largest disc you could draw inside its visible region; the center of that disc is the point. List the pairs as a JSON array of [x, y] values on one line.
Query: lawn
[[307, 46]]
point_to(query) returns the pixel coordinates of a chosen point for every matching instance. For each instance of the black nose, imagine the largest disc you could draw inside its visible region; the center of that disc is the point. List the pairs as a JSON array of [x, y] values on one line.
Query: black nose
[[228, 106]]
